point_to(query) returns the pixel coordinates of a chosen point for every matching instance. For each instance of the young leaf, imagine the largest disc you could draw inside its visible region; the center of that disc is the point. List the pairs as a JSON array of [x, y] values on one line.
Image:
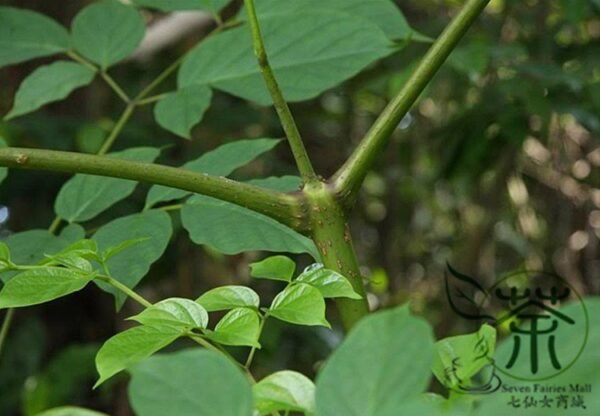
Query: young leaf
[[284, 391], [330, 283], [229, 297], [395, 351], [173, 5], [232, 229], [25, 35], [86, 249], [286, 183], [309, 51], [240, 326], [70, 411], [130, 266], [47, 84], [274, 268], [474, 351], [176, 312], [4, 254], [130, 347], [41, 285], [198, 381], [300, 304], [83, 197], [181, 110], [112, 251], [220, 162], [107, 31]]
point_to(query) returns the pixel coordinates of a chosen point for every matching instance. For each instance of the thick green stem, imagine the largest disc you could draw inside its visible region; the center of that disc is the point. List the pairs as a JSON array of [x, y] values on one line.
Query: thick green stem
[[348, 179], [283, 110], [285, 208], [331, 234]]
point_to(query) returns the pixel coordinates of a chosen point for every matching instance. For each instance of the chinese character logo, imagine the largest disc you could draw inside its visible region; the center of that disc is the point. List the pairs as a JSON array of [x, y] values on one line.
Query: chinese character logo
[[526, 307]]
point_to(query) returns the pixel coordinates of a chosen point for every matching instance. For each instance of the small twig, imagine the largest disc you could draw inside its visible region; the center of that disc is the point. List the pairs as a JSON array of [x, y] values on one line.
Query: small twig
[[283, 111], [5, 327]]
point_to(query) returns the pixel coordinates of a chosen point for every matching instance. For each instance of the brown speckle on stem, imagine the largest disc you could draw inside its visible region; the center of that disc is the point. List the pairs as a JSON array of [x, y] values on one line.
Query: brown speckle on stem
[[21, 159]]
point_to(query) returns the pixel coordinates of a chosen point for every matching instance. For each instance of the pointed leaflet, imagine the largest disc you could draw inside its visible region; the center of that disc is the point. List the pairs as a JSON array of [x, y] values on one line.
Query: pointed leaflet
[[131, 265], [240, 326], [299, 304], [383, 13], [25, 35], [395, 351], [473, 352], [107, 31], [41, 285], [198, 381], [83, 197], [310, 52], [232, 229], [176, 312], [130, 347], [219, 162], [330, 283], [181, 110], [173, 5], [274, 268], [47, 84], [30, 247], [229, 297], [285, 391]]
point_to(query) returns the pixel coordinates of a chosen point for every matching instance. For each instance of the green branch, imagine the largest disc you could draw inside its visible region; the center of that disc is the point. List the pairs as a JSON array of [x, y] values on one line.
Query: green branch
[[348, 179], [285, 208], [283, 110]]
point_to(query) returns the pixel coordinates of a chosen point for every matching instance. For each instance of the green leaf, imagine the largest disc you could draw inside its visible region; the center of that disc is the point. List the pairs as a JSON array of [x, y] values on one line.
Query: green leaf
[[174, 5], [4, 254], [41, 285], [384, 361], [240, 326], [107, 31], [83, 197], [309, 51], [472, 351], [129, 267], [25, 35], [286, 183], [274, 268], [70, 411], [85, 249], [176, 312], [220, 162], [181, 110], [113, 251], [330, 283], [383, 13], [229, 297], [47, 84], [191, 382], [130, 347], [286, 391], [30, 247], [232, 229], [299, 304]]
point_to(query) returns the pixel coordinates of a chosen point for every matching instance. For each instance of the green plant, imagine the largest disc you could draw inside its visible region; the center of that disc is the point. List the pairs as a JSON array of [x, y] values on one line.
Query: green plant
[[338, 41]]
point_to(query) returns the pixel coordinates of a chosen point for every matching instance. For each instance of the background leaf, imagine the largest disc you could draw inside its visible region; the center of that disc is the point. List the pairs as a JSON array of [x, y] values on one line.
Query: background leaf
[[392, 353], [284, 391], [130, 347], [107, 31], [220, 162], [173, 5], [25, 35], [232, 229], [83, 197], [181, 110], [47, 84], [299, 304], [201, 382], [229, 297], [310, 52], [153, 225]]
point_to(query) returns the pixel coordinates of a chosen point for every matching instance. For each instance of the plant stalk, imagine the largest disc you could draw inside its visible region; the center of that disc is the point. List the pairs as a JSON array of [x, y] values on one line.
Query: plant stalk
[[349, 178]]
